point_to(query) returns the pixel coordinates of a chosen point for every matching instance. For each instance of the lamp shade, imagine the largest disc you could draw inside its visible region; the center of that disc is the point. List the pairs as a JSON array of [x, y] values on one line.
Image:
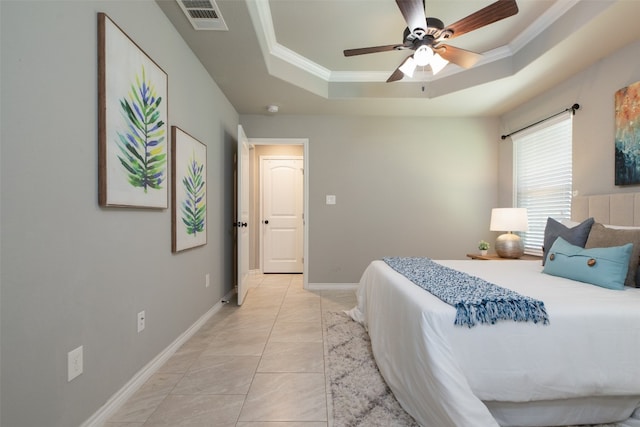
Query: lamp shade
[[509, 219]]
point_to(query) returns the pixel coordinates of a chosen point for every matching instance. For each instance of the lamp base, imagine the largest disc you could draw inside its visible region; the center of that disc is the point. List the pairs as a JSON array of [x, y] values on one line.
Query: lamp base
[[509, 245]]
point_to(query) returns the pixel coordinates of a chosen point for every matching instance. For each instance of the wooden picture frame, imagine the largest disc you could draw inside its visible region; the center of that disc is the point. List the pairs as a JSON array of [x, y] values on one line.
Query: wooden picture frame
[[188, 191], [132, 123], [627, 139]]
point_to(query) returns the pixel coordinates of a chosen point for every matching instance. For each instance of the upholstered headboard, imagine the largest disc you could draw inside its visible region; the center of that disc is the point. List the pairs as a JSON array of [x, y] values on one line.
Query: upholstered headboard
[[614, 209]]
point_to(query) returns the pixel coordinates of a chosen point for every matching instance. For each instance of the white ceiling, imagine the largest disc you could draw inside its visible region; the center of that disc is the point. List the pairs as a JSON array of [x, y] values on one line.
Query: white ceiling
[[289, 53]]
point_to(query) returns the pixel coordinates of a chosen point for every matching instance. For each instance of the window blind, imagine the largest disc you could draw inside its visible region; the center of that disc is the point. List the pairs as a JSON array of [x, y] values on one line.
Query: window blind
[[543, 176]]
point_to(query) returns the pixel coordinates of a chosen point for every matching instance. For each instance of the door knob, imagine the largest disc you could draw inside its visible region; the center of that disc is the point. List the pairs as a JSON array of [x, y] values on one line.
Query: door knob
[[266, 221], [243, 224]]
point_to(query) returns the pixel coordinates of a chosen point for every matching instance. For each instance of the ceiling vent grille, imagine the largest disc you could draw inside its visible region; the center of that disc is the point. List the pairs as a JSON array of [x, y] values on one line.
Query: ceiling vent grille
[[203, 14]]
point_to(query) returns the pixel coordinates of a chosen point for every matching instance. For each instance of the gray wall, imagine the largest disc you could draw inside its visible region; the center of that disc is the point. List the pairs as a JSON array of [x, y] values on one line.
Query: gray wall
[[593, 124], [404, 186], [73, 273]]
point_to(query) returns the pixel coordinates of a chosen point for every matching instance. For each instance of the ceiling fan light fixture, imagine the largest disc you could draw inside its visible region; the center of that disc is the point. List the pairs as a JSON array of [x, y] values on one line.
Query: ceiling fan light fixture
[[408, 67], [437, 63], [423, 56], [422, 40]]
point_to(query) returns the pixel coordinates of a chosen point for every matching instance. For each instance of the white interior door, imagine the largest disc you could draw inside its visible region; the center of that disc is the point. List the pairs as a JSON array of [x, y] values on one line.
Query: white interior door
[[243, 214], [282, 214]]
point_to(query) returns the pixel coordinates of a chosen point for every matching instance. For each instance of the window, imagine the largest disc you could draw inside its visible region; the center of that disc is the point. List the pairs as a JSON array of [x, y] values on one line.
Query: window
[[543, 175]]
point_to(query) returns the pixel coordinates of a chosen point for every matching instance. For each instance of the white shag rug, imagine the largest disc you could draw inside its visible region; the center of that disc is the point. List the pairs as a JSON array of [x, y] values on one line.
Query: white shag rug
[[360, 395]]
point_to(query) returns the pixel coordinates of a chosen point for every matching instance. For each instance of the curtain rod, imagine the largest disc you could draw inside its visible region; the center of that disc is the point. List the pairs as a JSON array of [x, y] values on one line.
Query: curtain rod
[[573, 109]]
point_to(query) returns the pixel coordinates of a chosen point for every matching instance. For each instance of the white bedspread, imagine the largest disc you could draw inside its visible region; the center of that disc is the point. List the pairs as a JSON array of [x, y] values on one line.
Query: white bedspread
[[444, 374]]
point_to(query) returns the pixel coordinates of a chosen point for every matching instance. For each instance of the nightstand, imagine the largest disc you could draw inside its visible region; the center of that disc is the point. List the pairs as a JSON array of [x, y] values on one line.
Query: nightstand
[[494, 257]]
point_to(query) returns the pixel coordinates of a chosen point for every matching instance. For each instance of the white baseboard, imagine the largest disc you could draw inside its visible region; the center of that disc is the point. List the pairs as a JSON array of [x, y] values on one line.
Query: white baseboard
[[103, 414], [332, 286]]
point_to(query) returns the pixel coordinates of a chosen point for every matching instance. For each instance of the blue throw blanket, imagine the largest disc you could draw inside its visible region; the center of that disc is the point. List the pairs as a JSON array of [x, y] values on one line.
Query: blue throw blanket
[[475, 299]]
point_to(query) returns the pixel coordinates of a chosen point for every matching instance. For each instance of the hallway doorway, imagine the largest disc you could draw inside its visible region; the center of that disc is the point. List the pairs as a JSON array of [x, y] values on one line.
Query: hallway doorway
[[273, 148]]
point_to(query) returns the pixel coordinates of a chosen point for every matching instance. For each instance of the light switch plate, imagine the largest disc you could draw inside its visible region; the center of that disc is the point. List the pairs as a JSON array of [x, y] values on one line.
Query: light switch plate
[[74, 363], [331, 199], [141, 321]]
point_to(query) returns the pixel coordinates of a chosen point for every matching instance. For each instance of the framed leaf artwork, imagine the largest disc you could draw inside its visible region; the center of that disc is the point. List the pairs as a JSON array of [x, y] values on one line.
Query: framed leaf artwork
[[627, 140], [188, 191], [132, 123]]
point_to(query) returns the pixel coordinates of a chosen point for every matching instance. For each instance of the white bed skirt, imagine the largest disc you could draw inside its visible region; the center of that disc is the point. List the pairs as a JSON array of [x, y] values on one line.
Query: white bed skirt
[[587, 410]]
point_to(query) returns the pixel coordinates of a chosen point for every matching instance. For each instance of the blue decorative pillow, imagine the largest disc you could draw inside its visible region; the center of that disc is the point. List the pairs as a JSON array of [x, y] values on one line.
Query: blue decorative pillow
[[575, 235], [606, 267]]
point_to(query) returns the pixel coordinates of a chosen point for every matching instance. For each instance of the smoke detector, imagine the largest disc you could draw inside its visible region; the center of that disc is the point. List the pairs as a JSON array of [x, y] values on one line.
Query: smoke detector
[[203, 14]]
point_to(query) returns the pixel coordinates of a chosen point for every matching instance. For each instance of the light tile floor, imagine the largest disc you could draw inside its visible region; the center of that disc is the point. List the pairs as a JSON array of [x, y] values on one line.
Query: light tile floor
[[258, 365]]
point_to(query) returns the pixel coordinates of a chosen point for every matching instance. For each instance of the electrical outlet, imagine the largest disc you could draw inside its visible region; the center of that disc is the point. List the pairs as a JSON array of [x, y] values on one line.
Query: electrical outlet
[[74, 363], [206, 280], [141, 318]]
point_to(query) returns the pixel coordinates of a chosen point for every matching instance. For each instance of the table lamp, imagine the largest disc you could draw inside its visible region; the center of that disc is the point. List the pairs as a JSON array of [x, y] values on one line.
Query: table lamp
[[509, 245]]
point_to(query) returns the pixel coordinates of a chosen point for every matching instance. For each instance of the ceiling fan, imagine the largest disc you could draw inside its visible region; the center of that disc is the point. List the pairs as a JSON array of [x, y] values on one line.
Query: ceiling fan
[[425, 35]]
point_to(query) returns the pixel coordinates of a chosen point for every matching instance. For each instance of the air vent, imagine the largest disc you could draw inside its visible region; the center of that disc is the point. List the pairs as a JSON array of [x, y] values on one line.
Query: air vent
[[203, 14]]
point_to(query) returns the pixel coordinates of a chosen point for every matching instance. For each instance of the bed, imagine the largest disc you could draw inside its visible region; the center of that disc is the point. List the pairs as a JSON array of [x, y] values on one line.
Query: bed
[[581, 368]]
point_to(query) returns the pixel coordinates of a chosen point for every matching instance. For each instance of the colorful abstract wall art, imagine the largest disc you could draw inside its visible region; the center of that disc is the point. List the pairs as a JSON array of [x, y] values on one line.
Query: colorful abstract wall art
[[188, 191], [627, 104], [132, 123]]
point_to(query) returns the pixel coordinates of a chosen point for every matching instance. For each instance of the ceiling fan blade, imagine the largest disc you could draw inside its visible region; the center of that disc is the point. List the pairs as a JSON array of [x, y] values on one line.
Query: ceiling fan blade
[[488, 15], [373, 49], [413, 13], [461, 57], [398, 74]]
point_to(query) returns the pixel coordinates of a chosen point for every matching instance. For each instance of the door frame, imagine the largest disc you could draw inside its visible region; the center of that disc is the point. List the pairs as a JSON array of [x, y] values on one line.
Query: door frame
[[305, 162]]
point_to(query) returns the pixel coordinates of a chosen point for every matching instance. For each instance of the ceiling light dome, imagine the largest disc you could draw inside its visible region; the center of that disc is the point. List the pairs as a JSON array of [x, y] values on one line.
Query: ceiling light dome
[[423, 56]]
